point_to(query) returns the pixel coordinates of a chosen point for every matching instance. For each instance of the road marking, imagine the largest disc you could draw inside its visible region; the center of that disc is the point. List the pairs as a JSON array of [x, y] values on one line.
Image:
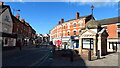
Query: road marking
[[41, 59]]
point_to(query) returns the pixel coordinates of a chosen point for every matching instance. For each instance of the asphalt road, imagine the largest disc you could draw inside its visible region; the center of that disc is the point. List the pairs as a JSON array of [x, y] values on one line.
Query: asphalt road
[[26, 57]]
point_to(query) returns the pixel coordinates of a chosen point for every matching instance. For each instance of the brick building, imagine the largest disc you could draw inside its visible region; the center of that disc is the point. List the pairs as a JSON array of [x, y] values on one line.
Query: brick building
[[71, 28], [14, 29], [81, 31], [23, 30], [6, 26]]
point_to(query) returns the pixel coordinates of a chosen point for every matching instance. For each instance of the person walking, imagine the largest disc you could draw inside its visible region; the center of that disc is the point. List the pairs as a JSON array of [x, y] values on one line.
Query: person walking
[[20, 45]]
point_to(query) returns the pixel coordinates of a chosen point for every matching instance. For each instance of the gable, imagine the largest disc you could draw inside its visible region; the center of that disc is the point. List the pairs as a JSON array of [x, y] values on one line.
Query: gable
[[88, 32], [7, 23]]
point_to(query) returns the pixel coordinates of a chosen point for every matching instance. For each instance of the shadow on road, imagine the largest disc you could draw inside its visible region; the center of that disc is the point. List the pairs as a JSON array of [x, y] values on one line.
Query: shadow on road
[[65, 58]]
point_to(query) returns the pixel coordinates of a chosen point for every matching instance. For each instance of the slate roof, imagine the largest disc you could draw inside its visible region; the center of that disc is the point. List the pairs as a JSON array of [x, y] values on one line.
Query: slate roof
[[80, 17], [87, 17], [92, 24], [109, 21], [97, 23], [4, 7]]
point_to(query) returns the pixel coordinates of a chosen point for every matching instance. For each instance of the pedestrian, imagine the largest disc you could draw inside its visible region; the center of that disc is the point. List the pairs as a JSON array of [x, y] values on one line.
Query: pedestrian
[[20, 45], [54, 47], [36, 43]]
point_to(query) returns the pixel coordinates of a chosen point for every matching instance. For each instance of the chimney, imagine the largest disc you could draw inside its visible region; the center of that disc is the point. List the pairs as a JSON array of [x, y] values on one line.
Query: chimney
[[1, 3], [17, 16], [59, 22], [62, 20], [77, 15], [22, 20]]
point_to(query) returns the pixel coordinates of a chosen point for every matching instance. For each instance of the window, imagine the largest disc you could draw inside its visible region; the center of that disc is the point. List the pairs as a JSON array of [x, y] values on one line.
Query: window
[[118, 34], [68, 33], [74, 24], [80, 24], [118, 26], [64, 27], [79, 31], [74, 32], [68, 25]]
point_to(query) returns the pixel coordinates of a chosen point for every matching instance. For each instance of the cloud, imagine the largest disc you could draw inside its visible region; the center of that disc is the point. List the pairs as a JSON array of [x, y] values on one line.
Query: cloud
[[96, 3], [91, 0]]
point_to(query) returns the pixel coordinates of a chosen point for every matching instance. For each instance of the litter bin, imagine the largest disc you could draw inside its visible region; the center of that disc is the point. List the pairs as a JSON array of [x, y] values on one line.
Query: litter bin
[[89, 55], [98, 54]]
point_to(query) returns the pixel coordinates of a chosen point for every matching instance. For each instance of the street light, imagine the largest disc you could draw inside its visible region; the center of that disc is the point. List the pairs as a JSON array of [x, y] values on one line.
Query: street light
[[89, 53], [92, 7]]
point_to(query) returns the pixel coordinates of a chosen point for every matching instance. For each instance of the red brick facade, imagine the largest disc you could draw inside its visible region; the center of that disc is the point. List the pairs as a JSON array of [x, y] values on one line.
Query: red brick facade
[[22, 28]]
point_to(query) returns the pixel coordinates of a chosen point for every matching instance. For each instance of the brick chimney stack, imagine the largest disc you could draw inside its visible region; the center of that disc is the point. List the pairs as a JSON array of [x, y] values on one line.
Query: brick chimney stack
[[1, 3], [22, 20], [62, 20], [77, 15], [17, 16]]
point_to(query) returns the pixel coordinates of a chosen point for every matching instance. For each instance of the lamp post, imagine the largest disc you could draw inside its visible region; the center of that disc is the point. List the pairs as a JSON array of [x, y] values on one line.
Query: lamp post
[[89, 53], [92, 7]]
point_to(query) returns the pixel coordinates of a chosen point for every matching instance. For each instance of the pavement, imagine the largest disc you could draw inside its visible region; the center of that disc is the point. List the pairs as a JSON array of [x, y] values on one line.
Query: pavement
[[108, 60], [31, 56]]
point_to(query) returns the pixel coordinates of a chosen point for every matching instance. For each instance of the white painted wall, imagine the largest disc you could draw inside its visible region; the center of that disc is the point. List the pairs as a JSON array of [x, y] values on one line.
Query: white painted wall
[[7, 23]]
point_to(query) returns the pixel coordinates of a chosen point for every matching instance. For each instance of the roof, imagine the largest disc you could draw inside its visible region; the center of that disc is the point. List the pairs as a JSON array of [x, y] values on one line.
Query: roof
[[92, 24], [109, 21], [86, 16], [80, 17], [4, 7]]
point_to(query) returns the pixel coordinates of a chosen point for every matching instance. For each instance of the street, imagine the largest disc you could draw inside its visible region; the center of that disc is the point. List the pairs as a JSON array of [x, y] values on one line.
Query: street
[[37, 57], [29, 56]]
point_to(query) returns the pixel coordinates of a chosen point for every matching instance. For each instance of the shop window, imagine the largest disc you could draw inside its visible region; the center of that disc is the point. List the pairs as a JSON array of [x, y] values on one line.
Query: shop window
[[118, 34], [6, 41], [118, 26], [74, 32]]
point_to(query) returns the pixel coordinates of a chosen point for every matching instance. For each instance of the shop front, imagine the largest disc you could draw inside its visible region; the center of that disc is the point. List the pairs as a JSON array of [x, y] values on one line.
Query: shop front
[[74, 42], [94, 41], [8, 40]]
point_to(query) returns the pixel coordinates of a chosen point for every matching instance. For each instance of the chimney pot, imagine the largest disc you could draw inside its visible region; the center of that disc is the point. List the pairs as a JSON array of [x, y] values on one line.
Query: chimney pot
[[22, 20], [77, 15], [1, 3], [17, 16], [62, 20]]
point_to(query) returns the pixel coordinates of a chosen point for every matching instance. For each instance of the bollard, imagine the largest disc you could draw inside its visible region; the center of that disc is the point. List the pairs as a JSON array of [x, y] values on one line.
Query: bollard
[[98, 54], [89, 55]]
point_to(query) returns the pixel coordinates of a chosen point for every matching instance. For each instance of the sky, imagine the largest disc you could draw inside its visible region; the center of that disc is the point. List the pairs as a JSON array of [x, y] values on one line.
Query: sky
[[43, 16]]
